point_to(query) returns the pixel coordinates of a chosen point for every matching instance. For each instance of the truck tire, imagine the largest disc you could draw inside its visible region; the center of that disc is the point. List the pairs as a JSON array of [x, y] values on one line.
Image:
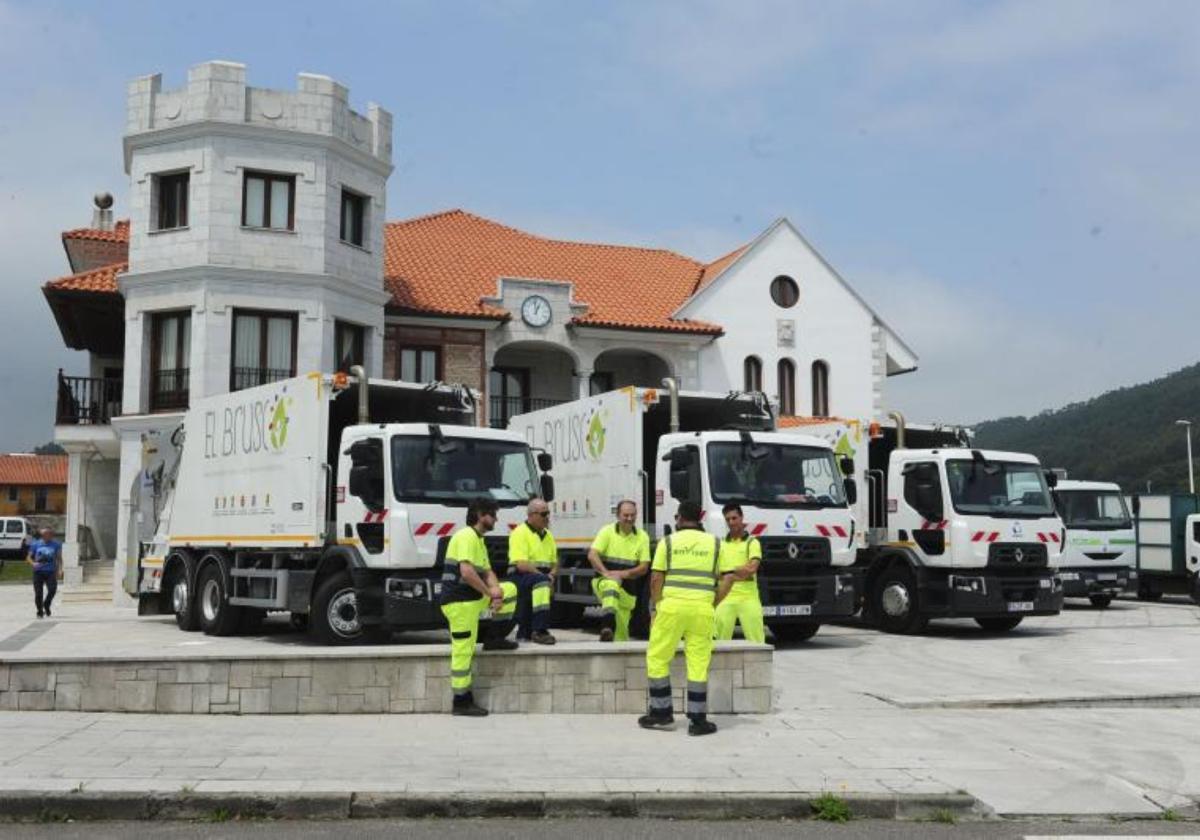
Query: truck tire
[[1196, 589], [1100, 601], [334, 616], [999, 624], [217, 616], [794, 633], [895, 601], [1146, 593], [182, 600]]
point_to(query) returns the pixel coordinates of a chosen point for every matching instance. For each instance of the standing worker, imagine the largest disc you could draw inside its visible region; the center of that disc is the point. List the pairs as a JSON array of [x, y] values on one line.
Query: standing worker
[[469, 587], [737, 594], [45, 555], [532, 565], [620, 554], [683, 587]]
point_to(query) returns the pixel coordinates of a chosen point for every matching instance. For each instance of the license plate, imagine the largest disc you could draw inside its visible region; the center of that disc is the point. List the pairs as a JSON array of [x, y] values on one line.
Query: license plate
[[1106, 576], [1020, 606], [1069, 576], [787, 609]]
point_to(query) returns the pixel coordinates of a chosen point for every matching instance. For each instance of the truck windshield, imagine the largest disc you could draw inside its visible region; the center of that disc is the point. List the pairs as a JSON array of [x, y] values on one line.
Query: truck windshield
[[999, 488], [788, 476], [1097, 510], [456, 470]]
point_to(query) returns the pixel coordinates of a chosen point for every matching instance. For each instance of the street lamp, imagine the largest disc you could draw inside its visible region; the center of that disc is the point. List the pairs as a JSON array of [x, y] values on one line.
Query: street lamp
[[1191, 468]]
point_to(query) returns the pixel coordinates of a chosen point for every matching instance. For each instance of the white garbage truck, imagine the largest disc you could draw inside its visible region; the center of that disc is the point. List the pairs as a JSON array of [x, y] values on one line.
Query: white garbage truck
[[950, 531], [1099, 554], [658, 447], [331, 498]]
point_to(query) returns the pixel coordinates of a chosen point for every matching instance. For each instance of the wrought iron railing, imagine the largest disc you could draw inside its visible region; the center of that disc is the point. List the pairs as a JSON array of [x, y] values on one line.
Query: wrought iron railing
[[250, 377], [500, 409], [87, 400], [169, 389]]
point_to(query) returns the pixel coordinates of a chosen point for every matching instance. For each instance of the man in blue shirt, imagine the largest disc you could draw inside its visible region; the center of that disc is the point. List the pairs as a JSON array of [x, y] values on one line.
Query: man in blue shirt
[[45, 555]]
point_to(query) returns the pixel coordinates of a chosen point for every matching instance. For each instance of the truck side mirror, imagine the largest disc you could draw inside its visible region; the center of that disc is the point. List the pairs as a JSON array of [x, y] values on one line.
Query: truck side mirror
[[366, 472], [1051, 478], [545, 461], [547, 487], [851, 487], [847, 465], [1137, 505]]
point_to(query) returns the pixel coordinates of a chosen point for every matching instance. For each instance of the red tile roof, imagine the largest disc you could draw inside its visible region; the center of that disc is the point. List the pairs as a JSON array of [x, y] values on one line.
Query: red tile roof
[[119, 233], [33, 469], [101, 280], [448, 263], [714, 268]]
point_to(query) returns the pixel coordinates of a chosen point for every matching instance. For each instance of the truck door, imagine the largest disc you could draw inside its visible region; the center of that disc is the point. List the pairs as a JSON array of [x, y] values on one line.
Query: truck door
[[1191, 545], [920, 514], [364, 514]]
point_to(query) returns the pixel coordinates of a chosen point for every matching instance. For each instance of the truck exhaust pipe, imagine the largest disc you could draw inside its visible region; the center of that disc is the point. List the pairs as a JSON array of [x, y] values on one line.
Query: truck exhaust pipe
[[673, 390], [899, 418], [364, 412]]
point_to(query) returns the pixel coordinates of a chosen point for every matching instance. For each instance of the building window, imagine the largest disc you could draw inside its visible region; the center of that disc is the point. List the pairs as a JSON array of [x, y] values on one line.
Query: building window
[[752, 373], [508, 395], [171, 193], [347, 345], [12, 493], [787, 387], [170, 354], [784, 291], [269, 201], [40, 499], [354, 210], [820, 389], [600, 382], [420, 364], [264, 348]]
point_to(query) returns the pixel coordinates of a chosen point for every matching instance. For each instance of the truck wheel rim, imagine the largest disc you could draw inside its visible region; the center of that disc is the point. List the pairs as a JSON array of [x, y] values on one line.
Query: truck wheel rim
[[179, 596], [343, 614], [895, 600], [210, 601]]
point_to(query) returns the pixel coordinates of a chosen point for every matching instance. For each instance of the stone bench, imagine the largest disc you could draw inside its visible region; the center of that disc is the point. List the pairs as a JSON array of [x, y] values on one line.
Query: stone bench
[[569, 678]]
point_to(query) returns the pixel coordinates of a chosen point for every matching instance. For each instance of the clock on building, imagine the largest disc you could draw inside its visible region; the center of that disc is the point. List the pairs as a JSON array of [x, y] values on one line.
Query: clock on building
[[535, 311]]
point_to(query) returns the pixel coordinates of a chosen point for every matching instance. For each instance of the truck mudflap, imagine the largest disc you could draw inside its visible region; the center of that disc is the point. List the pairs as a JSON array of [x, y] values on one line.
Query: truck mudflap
[[1080, 582], [399, 602], [984, 593], [826, 594]]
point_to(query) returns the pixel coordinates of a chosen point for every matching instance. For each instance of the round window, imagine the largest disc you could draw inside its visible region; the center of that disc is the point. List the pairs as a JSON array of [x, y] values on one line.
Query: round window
[[784, 291]]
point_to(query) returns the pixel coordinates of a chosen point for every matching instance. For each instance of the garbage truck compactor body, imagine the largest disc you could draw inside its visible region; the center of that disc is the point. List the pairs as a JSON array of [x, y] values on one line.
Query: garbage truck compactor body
[[658, 447], [328, 498], [950, 531]]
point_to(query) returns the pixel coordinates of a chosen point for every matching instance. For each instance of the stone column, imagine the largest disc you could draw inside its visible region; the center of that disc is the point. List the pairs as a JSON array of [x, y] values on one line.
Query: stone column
[[72, 572], [583, 378]]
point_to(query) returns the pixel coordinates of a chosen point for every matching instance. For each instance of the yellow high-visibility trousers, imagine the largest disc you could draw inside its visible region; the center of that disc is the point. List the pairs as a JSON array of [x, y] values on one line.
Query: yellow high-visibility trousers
[[745, 608], [691, 621], [463, 618], [615, 602]]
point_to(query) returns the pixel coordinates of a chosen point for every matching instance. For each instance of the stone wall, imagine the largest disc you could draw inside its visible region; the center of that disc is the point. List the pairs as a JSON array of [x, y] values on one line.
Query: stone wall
[[584, 678]]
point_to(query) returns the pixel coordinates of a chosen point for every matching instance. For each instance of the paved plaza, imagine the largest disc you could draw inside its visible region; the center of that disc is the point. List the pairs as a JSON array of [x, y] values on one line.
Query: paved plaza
[[1090, 712]]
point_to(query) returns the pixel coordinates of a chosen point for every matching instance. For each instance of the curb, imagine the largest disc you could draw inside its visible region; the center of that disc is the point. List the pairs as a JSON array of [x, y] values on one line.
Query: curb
[[41, 806]]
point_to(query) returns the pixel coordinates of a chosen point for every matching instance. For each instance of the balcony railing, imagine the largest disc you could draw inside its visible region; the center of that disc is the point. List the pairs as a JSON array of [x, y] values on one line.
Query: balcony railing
[[250, 377], [500, 409], [87, 401], [169, 389]]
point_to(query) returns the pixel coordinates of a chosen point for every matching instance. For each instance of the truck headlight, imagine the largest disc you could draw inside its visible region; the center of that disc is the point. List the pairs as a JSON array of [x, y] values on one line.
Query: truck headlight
[[843, 583], [975, 585]]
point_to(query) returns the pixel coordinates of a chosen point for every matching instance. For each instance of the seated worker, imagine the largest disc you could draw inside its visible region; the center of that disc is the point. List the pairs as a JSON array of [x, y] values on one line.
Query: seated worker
[[532, 565], [620, 554]]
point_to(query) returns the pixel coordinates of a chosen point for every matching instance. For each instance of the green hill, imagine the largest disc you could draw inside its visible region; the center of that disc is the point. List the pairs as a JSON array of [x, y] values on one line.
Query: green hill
[[1128, 436]]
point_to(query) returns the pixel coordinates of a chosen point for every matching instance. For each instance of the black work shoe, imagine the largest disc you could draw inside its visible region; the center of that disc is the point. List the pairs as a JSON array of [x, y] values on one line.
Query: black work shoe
[[500, 644], [469, 710], [47, 612], [701, 727], [541, 637], [606, 634], [663, 722], [39, 613]]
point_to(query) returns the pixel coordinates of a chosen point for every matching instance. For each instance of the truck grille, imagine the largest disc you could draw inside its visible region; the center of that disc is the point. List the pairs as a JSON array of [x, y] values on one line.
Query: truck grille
[[1023, 555], [782, 555]]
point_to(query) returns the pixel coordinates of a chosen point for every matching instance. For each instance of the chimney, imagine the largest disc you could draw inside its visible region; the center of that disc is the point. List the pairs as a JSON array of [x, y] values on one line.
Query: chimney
[[102, 216]]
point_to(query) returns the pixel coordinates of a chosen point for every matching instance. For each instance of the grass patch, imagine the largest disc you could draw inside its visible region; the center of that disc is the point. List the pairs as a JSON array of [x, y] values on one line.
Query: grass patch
[[16, 572], [1171, 815], [942, 815], [219, 815], [830, 808]]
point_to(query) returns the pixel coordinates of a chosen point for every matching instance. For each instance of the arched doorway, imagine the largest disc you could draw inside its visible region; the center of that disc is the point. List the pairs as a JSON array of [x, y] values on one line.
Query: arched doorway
[[527, 376], [620, 367]]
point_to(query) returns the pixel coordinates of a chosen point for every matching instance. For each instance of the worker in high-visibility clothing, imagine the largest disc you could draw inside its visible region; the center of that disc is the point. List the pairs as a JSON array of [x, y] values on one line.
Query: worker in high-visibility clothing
[[470, 589], [532, 566], [620, 554], [683, 587], [737, 593]]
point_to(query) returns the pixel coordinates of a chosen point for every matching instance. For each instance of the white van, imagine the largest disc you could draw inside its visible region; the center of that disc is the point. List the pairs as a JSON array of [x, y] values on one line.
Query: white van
[[15, 536]]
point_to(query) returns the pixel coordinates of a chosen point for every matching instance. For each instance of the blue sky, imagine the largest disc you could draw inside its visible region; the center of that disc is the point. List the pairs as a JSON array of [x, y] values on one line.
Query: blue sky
[[1014, 186]]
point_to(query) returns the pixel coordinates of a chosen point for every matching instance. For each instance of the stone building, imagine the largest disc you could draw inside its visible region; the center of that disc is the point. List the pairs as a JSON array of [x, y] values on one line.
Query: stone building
[[256, 248]]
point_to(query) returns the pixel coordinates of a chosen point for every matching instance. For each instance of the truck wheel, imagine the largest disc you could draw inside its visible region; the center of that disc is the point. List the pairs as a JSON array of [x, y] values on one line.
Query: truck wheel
[[1145, 593], [895, 603], [217, 616], [183, 601], [1196, 589], [999, 625], [334, 616], [1100, 601], [793, 633]]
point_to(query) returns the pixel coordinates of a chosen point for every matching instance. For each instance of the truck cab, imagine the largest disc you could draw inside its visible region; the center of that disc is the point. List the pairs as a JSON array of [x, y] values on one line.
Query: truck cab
[[1099, 551], [795, 498]]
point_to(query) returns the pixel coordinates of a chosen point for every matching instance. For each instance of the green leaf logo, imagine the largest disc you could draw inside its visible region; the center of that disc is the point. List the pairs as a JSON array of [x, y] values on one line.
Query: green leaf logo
[[595, 437], [279, 424]]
